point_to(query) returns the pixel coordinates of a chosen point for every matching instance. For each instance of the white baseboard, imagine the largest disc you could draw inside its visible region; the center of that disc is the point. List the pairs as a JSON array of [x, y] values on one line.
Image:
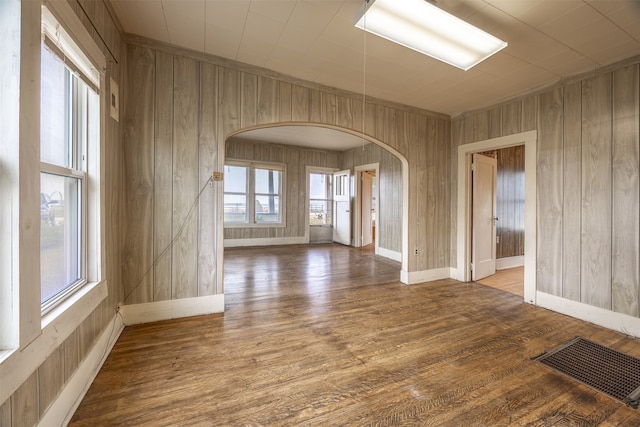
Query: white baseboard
[[171, 309], [626, 324], [509, 262], [271, 241], [413, 277], [388, 253], [63, 408]]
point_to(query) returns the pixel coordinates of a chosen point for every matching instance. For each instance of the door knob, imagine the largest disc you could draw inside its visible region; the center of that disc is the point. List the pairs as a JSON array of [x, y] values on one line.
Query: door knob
[[495, 218]]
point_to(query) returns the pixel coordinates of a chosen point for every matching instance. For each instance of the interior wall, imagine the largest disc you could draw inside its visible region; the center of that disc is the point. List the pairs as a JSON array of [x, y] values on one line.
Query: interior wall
[[29, 402], [510, 202], [296, 160], [181, 106], [587, 183], [389, 214]]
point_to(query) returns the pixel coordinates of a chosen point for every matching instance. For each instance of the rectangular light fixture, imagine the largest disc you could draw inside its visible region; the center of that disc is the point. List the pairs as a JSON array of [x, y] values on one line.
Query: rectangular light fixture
[[425, 28]]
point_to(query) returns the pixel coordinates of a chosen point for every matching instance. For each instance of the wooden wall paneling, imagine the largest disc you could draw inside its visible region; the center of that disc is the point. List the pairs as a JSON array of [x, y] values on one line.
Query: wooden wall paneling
[[163, 177], [509, 187], [296, 195], [467, 129], [139, 155], [285, 112], [208, 163], [512, 118], [86, 335], [549, 181], [185, 177], [50, 379], [500, 205], [481, 126], [5, 414], [344, 112], [457, 139], [315, 106], [444, 196], [267, 100], [529, 113], [229, 102], [626, 188], [380, 124], [248, 99], [596, 191], [571, 207], [300, 100], [495, 122], [24, 403], [370, 120], [329, 108], [71, 355], [430, 191], [419, 184], [357, 115]]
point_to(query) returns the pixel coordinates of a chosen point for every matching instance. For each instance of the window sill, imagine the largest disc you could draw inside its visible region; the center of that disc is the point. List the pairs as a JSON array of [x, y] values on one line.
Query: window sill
[[88, 292], [279, 225]]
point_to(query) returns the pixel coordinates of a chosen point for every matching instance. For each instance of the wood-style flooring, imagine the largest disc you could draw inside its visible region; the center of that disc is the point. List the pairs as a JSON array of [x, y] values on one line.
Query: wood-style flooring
[[510, 280], [325, 335]]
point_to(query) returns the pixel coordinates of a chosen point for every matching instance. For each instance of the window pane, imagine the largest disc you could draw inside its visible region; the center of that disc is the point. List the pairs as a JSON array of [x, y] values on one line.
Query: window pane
[[235, 208], [267, 181], [320, 186], [59, 233], [235, 180], [267, 209], [54, 108], [320, 212]]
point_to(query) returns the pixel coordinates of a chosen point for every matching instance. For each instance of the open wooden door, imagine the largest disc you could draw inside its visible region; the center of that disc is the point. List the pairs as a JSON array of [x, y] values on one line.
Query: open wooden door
[[483, 245], [341, 207]]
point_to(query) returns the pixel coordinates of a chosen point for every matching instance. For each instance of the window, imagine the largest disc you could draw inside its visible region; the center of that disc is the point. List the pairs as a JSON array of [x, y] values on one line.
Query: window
[[320, 198], [253, 194], [69, 134]]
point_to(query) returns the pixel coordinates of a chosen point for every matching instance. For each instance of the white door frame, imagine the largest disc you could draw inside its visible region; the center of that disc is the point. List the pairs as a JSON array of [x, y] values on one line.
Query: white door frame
[[529, 140], [357, 231]]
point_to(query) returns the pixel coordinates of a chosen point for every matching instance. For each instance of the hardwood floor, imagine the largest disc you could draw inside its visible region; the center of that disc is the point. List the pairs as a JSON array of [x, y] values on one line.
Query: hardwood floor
[[325, 335], [510, 280]]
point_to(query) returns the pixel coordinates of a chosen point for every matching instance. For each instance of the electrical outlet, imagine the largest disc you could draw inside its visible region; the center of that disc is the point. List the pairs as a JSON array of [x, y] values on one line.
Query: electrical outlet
[[415, 251]]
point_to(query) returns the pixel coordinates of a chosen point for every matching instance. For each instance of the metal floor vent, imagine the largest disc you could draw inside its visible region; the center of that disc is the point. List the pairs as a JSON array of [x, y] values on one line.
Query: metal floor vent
[[607, 370]]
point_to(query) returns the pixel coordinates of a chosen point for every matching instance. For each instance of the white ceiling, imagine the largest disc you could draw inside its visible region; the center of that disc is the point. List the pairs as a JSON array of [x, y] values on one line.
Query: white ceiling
[[317, 41]]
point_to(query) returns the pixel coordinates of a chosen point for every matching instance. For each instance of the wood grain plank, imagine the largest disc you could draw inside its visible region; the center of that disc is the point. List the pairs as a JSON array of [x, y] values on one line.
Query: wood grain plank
[[442, 152], [430, 193], [481, 126], [596, 191], [495, 122], [50, 379], [24, 403], [550, 194], [208, 163], [315, 106], [5, 414], [529, 113], [300, 100], [457, 139], [267, 100], [139, 155], [512, 118], [329, 108], [163, 176], [248, 99], [344, 112], [185, 178], [626, 188], [285, 112], [571, 207]]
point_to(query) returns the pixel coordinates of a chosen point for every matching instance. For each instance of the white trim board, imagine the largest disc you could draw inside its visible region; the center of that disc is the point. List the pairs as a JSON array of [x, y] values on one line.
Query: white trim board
[[64, 406], [529, 140], [626, 324], [509, 262], [388, 253], [413, 277], [172, 309], [268, 241]]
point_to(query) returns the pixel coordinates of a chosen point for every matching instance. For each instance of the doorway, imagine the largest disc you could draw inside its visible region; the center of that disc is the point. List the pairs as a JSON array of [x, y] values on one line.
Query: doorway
[[366, 205], [464, 214]]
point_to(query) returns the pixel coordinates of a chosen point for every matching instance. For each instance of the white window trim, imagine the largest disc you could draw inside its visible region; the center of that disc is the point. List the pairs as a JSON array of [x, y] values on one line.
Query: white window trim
[[251, 194], [19, 362]]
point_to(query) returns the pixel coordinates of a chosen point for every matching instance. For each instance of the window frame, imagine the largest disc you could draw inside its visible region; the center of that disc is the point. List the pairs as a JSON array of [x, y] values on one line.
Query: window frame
[[81, 77], [251, 194]]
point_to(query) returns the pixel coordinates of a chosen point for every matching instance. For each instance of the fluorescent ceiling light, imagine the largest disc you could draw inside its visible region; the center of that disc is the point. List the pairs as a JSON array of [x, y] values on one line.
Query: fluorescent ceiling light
[[423, 27]]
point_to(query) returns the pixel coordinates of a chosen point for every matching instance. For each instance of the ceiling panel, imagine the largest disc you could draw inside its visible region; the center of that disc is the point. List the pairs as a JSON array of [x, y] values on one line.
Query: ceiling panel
[[316, 41]]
